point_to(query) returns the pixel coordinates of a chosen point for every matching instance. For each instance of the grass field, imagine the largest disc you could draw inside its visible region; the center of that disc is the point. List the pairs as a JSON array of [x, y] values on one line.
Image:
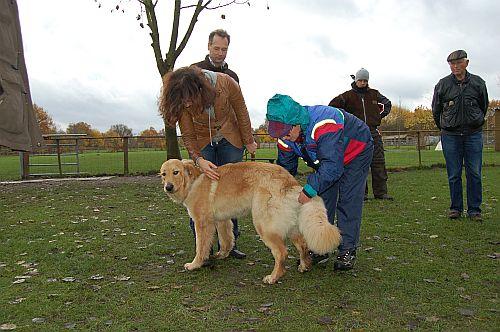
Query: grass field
[[149, 162], [109, 255]]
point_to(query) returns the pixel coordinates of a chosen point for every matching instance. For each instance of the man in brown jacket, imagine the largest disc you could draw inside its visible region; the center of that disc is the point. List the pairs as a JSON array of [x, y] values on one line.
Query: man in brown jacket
[[18, 126], [370, 106]]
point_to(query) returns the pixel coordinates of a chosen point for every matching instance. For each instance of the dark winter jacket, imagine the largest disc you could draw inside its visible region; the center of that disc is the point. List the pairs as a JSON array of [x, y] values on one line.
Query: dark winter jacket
[[459, 107], [206, 64], [367, 104]]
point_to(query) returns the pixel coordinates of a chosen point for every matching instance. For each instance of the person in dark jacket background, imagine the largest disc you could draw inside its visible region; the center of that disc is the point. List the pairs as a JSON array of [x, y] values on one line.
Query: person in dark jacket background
[[459, 106], [370, 106], [218, 44]]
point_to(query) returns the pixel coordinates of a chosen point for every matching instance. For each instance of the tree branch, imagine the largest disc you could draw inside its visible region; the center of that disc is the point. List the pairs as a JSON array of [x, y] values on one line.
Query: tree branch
[[228, 4], [194, 19], [155, 36], [169, 58]]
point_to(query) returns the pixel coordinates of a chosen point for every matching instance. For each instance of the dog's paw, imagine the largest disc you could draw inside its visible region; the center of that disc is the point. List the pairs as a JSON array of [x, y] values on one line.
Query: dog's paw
[[221, 255], [191, 266], [303, 268], [269, 279]]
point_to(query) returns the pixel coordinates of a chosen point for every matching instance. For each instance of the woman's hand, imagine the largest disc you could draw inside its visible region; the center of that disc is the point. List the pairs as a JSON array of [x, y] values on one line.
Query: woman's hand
[[251, 148], [208, 168], [303, 198]]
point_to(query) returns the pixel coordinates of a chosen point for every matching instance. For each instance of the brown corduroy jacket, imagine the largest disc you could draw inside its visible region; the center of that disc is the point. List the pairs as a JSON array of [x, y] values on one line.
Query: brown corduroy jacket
[[18, 126], [232, 120]]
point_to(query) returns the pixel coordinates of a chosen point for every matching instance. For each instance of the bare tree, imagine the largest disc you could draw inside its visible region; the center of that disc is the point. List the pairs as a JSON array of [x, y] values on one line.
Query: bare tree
[[166, 63]]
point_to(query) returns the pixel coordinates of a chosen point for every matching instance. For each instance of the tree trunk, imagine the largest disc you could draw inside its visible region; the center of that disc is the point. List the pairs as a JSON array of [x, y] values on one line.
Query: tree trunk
[[173, 151]]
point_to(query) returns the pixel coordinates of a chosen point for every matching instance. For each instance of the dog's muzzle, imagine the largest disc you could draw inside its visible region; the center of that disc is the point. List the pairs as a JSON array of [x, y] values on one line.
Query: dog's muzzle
[[169, 187]]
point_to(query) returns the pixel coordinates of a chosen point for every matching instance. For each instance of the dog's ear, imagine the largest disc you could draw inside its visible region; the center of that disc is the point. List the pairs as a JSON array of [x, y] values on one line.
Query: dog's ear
[[189, 166]]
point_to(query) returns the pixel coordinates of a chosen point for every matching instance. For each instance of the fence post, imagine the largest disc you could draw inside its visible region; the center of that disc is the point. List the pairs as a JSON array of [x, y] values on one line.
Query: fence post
[[125, 155], [58, 146], [497, 129], [25, 168], [418, 148]]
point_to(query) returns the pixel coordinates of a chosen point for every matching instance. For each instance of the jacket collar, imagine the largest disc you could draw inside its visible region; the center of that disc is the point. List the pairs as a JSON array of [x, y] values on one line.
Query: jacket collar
[[465, 80], [359, 90], [213, 67]]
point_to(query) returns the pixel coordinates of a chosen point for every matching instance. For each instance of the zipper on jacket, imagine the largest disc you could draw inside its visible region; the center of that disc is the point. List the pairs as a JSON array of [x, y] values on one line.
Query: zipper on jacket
[[364, 110]]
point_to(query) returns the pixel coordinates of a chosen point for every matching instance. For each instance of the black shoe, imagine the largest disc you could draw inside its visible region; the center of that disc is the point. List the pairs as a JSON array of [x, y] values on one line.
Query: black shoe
[[475, 217], [318, 259], [385, 196], [237, 254], [345, 261], [365, 198], [454, 214]]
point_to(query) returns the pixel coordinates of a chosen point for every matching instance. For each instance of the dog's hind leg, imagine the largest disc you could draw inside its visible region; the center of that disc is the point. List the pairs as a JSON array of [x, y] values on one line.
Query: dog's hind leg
[[276, 243], [305, 259], [226, 237], [205, 230]]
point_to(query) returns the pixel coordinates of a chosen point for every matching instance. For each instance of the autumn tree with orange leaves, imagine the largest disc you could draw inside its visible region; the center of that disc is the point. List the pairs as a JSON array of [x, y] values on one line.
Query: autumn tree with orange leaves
[[47, 125]]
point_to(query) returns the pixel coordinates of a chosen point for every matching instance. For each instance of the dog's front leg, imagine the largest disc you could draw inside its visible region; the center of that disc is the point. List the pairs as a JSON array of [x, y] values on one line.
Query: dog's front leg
[[204, 229]]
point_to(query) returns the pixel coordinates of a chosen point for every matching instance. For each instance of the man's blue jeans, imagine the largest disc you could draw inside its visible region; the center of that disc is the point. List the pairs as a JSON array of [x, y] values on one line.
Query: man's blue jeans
[[222, 153], [460, 150]]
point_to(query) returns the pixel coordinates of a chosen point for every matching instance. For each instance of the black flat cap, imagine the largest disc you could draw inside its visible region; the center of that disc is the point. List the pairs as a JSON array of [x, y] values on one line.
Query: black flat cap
[[456, 55]]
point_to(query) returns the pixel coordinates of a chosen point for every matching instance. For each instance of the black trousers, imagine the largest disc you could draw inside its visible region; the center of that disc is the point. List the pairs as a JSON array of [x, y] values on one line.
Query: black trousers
[[379, 173]]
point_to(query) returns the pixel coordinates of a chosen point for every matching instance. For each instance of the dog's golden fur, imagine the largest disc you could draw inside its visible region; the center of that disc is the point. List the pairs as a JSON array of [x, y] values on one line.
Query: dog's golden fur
[[268, 192]]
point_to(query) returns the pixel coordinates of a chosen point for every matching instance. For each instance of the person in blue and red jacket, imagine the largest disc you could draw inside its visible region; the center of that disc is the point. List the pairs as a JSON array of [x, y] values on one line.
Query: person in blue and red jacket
[[339, 147]]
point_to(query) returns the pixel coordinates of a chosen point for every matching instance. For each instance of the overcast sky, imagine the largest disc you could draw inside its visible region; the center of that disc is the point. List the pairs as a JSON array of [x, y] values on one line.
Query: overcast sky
[[93, 65]]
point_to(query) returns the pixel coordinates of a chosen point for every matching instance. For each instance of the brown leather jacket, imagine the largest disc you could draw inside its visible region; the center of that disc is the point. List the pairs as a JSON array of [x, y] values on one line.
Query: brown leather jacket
[[232, 120]]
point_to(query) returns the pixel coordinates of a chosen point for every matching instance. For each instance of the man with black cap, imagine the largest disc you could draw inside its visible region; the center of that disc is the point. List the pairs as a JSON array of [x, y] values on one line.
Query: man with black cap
[[459, 106], [370, 106]]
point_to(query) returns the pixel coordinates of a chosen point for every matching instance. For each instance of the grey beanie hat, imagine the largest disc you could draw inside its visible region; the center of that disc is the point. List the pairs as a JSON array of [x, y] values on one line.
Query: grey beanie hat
[[362, 74]]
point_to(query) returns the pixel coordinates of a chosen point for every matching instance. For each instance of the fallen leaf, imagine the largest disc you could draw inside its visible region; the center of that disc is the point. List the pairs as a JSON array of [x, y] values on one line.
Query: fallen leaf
[[19, 281], [367, 249], [69, 279], [466, 297], [377, 269], [495, 255], [8, 327], [466, 312], [433, 236], [432, 319], [96, 277], [122, 278], [38, 320], [465, 276], [70, 325], [325, 320], [431, 281], [17, 301]]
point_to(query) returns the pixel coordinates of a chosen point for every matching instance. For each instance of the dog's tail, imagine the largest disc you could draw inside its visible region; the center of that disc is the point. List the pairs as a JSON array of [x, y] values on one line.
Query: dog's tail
[[321, 236]]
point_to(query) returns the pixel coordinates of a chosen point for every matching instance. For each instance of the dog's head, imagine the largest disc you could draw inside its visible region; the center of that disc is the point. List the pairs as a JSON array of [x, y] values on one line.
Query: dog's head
[[177, 177]]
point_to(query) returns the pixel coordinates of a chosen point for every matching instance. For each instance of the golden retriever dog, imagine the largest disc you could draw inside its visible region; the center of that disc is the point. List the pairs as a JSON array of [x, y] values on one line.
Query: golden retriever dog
[[268, 192]]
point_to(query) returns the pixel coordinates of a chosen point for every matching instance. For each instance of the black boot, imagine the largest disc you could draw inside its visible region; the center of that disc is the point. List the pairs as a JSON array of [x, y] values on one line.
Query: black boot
[[345, 260], [237, 254]]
